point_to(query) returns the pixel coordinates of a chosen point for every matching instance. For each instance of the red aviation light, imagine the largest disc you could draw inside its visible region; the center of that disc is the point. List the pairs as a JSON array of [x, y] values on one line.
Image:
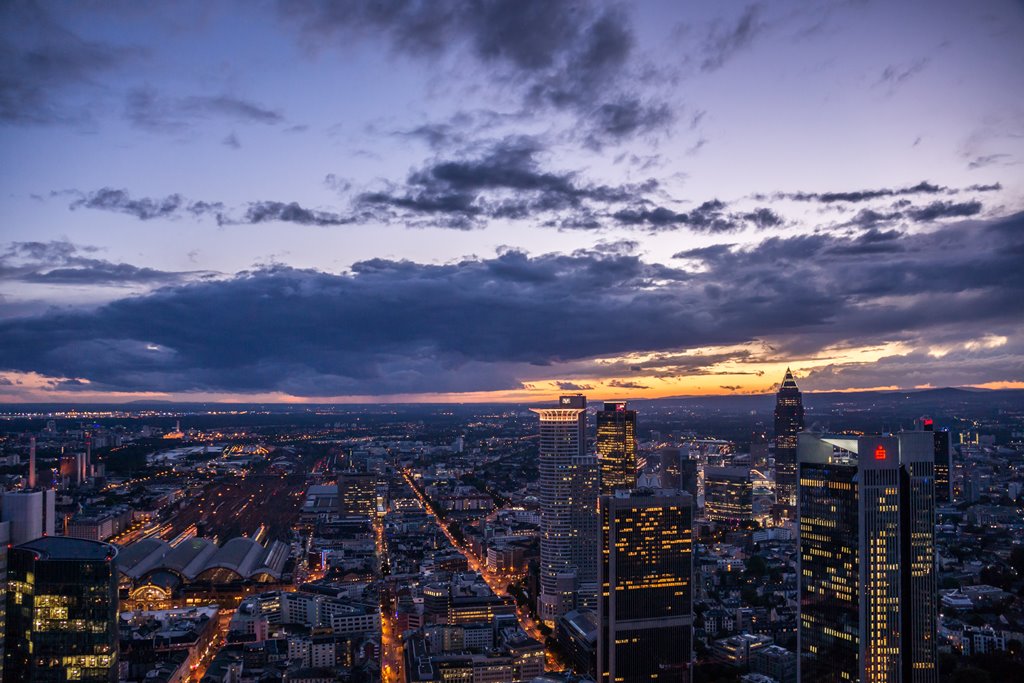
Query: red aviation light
[[880, 452]]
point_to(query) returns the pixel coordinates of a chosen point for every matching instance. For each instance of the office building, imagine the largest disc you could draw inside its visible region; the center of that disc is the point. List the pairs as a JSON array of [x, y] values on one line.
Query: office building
[[943, 461], [789, 421], [645, 608], [357, 493], [5, 539], [31, 514], [616, 446], [61, 611], [728, 494], [568, 518], [576, 632], [867, 558]]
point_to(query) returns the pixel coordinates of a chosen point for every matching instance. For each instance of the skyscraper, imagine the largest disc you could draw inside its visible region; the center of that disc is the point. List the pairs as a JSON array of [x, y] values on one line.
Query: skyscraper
[[868, 592], [789, 421], [728, 494], [61, 611], [616, 446], [568, 517], [5, 539], [645, 608], [943, 461]]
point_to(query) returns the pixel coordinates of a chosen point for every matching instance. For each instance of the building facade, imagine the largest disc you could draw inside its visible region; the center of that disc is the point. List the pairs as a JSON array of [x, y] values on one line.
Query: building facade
[[728, 494], [568, 519], [357, 493], [31, 513], [943, 444], [62, 611], [868, 592], [789, 421], [616, 446], [645, 608]]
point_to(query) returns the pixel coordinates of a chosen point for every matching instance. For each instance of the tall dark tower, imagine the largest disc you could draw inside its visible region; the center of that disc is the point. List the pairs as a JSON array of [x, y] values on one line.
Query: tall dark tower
[[645, 608], [616, 446], [61, 611], [789, 421], [868, 591]]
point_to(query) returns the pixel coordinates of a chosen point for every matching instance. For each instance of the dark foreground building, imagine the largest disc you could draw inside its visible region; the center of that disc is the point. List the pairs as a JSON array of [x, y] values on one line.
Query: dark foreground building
[[868, 593], [61, 611], [645, 607]]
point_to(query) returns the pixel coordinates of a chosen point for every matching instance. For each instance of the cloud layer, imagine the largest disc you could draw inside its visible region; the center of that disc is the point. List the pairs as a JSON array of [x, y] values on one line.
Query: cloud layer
[[488, 324]]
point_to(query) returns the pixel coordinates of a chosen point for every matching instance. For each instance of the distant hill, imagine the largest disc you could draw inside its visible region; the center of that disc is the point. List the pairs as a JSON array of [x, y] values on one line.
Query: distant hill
[[924, 400]]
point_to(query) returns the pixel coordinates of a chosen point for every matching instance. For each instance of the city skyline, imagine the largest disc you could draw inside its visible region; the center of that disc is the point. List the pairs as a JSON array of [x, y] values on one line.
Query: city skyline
[[311, 202]]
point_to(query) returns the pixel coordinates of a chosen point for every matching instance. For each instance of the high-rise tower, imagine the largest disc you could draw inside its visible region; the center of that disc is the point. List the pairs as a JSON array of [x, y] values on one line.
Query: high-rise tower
[[789, 421], [568, 516], [616, 446], [868, 592], [61, 611], [645, 608], [943, 461]]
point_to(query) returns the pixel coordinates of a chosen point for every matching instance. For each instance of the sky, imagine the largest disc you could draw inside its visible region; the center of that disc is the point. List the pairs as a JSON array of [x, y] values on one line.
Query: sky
[[504, 200]]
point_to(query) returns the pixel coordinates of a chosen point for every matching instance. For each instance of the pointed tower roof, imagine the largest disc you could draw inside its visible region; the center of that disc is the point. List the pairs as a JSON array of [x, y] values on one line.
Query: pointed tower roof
[[789, 382]]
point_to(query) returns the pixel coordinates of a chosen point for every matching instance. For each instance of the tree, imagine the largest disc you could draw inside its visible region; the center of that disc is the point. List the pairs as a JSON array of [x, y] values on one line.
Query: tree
[[756, 566]]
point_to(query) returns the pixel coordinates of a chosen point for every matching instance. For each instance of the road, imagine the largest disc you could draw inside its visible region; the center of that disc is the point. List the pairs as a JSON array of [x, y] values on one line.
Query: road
[[496, 582], [392, 663]]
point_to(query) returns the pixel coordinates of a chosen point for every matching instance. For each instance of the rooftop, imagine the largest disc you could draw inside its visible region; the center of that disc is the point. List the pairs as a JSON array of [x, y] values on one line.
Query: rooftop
[[67, 548]]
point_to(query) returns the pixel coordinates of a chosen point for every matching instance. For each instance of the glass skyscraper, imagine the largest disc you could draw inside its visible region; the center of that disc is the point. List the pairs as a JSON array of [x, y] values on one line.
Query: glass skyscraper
[[645, 608], [616, 446], [789, 421], [568, 515], [868, 593], [61, 611]]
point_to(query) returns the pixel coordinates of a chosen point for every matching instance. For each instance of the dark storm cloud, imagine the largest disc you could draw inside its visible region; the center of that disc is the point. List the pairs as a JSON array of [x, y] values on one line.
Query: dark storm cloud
[[261, 212], [923, 187], [937, 210], [725, 39], [145, 109], [872, 241], [175, 206], [711, 217], [505, 181], [558, 54], [927, 213], [41, 62], [625, 118], [396, 326], [64, 263], [110, 199]]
